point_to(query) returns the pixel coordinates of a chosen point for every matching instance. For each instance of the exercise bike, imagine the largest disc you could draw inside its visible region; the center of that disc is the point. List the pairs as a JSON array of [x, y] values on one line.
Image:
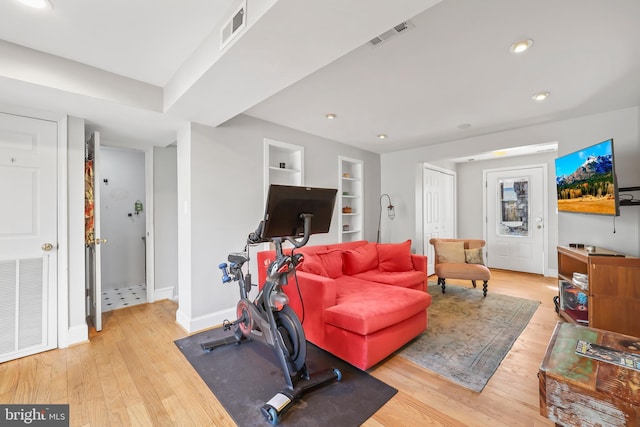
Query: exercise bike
[[270, 320]]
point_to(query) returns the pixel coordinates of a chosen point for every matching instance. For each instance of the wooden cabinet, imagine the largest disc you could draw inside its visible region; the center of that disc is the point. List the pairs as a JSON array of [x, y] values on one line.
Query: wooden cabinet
[[613, 292], [350, 199]]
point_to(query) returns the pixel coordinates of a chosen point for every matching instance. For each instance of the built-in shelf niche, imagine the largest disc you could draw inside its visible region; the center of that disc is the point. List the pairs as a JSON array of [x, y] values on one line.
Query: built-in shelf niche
[[350, 199], [283, 164]]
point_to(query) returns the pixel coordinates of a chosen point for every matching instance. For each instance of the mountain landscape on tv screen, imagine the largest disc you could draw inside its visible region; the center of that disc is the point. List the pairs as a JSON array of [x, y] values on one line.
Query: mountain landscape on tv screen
[[590, 188], [594, 165]]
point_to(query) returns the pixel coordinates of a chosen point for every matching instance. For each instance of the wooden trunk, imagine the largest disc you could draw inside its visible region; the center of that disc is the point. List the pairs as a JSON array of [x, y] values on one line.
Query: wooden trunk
[[579, 391]]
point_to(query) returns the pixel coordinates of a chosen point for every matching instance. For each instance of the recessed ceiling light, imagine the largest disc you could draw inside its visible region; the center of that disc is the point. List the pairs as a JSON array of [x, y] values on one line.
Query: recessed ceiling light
[[37, 4], [540, 96], [330, 116], [464, 126], [521, 46], [382, 135]]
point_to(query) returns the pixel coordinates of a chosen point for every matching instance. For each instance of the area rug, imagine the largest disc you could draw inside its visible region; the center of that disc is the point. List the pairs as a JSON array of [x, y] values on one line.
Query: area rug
[[468, 335], [244, 377]]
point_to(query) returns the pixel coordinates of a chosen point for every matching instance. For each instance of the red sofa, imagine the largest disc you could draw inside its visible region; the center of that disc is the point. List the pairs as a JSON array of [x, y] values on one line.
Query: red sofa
[[361, 301]]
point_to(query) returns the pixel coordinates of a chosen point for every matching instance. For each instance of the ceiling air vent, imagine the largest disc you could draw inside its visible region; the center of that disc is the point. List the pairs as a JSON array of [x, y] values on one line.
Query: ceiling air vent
[[404, 26], [233, 25]]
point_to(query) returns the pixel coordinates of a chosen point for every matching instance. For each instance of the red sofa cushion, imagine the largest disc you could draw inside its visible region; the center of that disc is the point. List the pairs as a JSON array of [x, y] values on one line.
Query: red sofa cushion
[[406, 279], [311, 264], [395, 257], [362, 258], [331, 262], [364, 307]]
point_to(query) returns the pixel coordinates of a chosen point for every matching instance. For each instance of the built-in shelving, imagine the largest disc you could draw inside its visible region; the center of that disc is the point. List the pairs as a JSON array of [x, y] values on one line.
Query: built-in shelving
[[283, 164], [350, 199]]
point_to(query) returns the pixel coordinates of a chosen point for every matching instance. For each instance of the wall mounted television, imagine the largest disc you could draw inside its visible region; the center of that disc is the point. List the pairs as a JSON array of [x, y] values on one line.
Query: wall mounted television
[[586, 181]]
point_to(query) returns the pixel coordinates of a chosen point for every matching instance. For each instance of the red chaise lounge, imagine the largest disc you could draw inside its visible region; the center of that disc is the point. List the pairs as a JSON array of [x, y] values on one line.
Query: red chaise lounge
[[361, 301]]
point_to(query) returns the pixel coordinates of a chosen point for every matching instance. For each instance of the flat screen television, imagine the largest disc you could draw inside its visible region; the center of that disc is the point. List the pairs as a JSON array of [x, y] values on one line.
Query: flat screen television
[[586, 181], [285, 203]]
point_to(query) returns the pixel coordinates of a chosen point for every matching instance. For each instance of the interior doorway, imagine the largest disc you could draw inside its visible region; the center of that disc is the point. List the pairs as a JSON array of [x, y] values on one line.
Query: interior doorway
[[123, 223], [515, 207], [438, 208]]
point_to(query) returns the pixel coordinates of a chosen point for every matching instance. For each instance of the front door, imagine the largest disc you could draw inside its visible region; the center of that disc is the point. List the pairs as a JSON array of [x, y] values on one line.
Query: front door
[[28, 236], [515, 219], [438, 188]]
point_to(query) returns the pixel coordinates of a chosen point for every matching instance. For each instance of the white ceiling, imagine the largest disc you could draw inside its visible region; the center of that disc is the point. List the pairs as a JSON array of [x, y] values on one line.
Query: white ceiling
[[137, 70]]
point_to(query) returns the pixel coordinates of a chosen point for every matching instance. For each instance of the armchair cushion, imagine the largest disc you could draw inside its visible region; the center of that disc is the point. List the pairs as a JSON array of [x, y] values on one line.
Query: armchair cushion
[[395, 257], [450, 252], [473, 256]]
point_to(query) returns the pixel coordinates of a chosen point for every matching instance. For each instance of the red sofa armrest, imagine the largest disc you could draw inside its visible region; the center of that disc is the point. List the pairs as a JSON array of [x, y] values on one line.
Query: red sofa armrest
[[318, 294], [419, 262]]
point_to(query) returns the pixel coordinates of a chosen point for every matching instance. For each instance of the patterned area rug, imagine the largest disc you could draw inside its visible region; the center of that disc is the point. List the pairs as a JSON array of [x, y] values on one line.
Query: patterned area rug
[[468, 335]]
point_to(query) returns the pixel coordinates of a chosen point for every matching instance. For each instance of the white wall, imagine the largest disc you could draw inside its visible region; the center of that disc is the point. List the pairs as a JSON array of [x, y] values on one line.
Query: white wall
[[165, 220], [399, 168], [123, 256], [220, 195]]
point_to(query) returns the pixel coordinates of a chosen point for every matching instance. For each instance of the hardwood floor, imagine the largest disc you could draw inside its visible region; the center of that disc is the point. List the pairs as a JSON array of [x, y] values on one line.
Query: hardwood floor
[[131, 373]]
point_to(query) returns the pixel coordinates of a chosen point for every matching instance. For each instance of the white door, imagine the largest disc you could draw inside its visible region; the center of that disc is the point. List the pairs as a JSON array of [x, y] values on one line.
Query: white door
[[438, 210], [28, 236], [92, 231], [515, 219]]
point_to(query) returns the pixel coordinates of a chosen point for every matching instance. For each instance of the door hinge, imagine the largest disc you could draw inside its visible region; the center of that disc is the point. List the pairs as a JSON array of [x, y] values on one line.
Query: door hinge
[[86, 293]]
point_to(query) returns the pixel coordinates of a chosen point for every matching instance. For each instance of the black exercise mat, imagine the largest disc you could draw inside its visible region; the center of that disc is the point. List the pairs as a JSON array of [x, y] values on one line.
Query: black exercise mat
[[244, 377]]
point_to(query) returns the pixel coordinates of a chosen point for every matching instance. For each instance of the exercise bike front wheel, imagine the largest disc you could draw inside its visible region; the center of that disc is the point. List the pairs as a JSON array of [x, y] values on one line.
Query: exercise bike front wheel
[[292, 335]]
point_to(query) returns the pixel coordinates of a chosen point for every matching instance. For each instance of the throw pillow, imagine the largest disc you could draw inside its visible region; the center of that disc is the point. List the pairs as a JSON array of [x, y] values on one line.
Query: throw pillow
[[473, 256], [331, 262], [395, 257], [450, 252], [311, 264], [360, 259]]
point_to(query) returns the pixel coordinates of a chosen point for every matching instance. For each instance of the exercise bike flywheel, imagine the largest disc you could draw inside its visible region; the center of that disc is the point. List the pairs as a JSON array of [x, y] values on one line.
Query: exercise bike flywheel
[[244, 316], [292, 334]]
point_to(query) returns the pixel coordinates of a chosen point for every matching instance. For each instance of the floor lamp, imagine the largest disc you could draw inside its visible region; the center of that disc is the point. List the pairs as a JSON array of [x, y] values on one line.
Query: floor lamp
[[391, 213]]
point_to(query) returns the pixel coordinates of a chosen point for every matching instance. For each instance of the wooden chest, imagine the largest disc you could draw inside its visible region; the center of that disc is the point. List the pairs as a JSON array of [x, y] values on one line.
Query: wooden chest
[[579, 391]]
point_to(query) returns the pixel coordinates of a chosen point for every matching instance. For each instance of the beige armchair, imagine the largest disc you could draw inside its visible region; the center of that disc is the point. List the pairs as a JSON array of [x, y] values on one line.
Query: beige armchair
[[460, 259]]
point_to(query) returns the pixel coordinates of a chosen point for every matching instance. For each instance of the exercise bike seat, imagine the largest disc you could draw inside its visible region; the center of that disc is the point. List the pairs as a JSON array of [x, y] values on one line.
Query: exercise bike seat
[[238, 258]]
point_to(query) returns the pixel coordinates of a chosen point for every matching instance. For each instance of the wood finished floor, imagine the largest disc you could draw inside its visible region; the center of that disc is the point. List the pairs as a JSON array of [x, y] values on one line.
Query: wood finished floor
[[131, 374]]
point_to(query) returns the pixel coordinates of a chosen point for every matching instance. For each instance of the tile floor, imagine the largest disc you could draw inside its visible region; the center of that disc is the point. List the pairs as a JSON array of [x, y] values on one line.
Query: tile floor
[[123, 297]]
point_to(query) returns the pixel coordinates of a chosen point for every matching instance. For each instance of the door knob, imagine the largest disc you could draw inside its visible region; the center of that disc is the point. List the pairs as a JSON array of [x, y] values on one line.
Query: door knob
[[98, 241], [47, 247]]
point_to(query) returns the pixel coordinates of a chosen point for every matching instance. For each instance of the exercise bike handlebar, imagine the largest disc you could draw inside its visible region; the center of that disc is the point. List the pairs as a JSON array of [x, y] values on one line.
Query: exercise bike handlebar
[[256, 236]]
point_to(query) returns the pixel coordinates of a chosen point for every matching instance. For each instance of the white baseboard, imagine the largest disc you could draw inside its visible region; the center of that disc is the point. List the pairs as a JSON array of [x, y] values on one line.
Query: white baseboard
[[552, 272], [207, 321], [76, 335], [163, 293]]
